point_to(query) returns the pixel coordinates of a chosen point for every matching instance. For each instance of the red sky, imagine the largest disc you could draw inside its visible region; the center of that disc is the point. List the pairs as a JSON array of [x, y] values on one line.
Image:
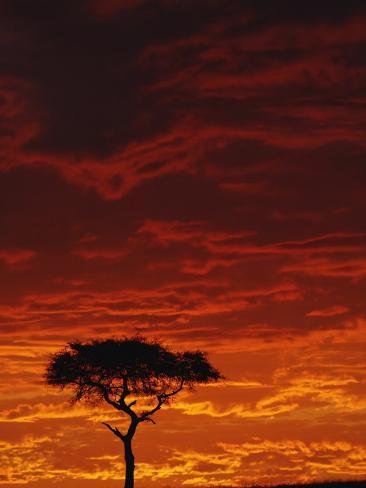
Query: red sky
[[192, 171]]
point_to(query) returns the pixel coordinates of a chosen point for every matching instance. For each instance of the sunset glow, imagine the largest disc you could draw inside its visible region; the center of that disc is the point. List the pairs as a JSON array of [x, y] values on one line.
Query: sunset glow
[[192, 171]]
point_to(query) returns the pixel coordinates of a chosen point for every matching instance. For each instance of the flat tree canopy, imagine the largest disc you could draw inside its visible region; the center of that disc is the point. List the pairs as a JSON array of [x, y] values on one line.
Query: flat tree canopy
[[112, 367], [111, 370]]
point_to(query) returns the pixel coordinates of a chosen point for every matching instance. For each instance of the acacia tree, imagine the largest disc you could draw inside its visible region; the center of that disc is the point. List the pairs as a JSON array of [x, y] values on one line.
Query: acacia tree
[[119, 371]]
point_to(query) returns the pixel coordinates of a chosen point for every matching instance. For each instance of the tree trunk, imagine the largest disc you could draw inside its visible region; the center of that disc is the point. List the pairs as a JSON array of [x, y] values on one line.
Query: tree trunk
[[129, 463]]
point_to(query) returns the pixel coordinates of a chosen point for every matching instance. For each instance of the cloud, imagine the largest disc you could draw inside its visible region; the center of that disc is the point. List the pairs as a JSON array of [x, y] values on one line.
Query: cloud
[[229, 249], [335, 458], [181, 301], [316, 392], [13, 257], [195, 233], [329, 311], [218, 64], [354, 268], [287, 448], [293, 458], [321, 244], [241, 411], [108, 254], [25, 412], [18, 125], [219, 464], [245, 187], [220, 57], [189, 464]]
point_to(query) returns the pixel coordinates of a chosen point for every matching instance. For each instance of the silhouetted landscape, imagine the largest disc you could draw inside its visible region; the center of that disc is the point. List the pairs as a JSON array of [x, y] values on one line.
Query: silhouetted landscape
[[324, 484], [329, 484]]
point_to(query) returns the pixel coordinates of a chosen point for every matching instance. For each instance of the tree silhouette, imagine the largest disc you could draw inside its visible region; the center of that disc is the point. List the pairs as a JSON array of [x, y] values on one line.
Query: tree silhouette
[[118, 371]]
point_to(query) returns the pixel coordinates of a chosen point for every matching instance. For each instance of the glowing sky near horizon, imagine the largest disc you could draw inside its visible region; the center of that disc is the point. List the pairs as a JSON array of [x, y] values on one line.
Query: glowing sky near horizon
[[192, 171]]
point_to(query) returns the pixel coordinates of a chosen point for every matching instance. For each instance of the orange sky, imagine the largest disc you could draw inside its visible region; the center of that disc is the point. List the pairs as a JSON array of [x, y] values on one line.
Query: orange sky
[[192, 171]]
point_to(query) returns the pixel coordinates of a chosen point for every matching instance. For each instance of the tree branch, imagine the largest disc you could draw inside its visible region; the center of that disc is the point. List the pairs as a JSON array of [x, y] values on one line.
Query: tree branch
[[167, 395], [121, 405], [162, 398], [147, 419], [125, 389], [115, 431], [109, 400]]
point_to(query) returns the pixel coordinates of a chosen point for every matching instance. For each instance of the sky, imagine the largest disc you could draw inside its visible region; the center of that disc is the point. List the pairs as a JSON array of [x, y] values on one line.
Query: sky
[[193, 172]]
